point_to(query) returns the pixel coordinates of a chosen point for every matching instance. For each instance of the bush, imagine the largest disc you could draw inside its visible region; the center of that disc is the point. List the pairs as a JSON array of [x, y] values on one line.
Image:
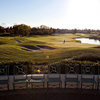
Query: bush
[[75, 67], [11, 65], [92, 58]]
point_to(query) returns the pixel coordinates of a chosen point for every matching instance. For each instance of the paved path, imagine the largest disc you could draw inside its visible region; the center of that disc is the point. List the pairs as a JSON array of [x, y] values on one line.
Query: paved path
[[50, 94]]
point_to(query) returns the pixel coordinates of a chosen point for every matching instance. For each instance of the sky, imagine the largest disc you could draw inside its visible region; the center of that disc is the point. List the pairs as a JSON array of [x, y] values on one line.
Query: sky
[[67, 14]]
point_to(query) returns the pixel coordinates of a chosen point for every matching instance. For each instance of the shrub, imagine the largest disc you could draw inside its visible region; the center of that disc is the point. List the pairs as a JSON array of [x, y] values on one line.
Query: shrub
[[78, 67]]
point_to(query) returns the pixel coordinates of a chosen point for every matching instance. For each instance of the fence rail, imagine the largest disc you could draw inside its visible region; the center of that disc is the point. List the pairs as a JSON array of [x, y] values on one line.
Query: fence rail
[[67, 81]]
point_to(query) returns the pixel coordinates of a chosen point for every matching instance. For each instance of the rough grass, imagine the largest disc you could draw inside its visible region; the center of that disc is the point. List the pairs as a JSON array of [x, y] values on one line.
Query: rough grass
[[11, 50]]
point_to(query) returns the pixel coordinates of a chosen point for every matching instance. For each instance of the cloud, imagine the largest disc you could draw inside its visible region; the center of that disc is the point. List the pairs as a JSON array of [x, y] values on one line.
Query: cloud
[[6, 25]]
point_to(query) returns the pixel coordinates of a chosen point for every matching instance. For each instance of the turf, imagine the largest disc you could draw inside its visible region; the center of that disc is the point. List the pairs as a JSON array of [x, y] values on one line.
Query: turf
[[14, 49]]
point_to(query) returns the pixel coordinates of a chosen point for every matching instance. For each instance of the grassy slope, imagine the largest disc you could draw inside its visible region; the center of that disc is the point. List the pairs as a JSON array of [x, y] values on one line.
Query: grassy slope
[[10, 49]]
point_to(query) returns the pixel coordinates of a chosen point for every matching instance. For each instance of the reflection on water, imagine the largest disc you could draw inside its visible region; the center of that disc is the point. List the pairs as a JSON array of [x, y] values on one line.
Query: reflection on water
[[89, 41]]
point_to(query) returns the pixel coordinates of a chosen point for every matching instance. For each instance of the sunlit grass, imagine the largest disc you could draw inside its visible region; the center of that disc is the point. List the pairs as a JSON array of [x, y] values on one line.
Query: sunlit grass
[[11, 50]]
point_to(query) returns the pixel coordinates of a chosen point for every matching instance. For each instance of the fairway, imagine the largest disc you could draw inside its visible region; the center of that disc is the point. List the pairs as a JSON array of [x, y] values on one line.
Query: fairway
[[44, 49]]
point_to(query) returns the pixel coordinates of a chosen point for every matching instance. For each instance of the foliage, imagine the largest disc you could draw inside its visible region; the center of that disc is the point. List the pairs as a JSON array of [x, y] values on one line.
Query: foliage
[[25, 30], [79, 66], [22, 30], [43, 30], [28, 65], [1, 29], [93, 58]]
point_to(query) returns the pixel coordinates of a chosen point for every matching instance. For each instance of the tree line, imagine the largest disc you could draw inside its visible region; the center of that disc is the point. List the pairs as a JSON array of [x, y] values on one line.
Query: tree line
[[25, 30], [85, 31]]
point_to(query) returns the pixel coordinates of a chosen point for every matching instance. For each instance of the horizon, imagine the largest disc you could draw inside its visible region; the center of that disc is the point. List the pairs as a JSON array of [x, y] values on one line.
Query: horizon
[[62, 14]]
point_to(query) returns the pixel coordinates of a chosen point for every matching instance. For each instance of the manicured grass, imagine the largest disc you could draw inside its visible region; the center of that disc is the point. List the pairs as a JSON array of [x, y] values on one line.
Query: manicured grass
[[12, 49]]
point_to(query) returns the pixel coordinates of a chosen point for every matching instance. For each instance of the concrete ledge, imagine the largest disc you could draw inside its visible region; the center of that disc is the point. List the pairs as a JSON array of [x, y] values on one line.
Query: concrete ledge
[[51, 94], [62, 76]]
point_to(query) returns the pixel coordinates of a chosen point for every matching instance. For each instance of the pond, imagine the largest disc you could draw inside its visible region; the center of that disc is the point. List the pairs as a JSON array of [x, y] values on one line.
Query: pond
[[89, 41]]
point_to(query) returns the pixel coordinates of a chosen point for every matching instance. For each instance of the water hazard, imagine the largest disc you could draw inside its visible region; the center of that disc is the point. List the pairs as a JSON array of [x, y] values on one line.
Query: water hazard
[[89, 41]]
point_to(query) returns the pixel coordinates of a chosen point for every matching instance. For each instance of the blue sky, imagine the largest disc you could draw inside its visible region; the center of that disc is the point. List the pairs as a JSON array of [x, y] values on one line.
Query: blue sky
[[54, 13]]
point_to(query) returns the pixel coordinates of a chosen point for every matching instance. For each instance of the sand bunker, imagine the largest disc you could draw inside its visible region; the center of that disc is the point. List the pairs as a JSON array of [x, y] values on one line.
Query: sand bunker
[[38, 48], [45, 47], [17, 41], [30, 47]]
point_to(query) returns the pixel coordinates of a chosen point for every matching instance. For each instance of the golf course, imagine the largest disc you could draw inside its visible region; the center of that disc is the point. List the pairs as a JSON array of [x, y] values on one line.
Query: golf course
[[46, 49]]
